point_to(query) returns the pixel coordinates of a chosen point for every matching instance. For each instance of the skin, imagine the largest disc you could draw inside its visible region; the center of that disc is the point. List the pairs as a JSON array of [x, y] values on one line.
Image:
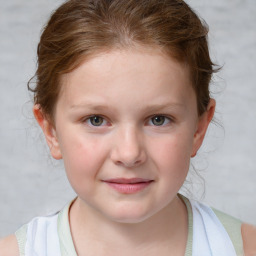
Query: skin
[[126, 89]]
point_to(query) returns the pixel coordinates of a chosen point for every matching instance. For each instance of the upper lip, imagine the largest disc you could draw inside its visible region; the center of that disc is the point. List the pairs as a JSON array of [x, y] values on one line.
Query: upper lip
[[127, 181]]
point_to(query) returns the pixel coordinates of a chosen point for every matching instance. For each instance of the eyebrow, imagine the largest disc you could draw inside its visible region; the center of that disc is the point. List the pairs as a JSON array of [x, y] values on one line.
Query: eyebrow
[[149, 108], [94, 106], [159, 106]]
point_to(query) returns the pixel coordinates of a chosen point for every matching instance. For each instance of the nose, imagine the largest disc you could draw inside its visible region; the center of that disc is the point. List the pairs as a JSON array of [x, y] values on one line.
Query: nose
[[128, 148]]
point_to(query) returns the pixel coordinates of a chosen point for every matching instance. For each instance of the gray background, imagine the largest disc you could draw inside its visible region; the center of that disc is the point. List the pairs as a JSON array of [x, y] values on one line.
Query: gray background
[[32, 184]]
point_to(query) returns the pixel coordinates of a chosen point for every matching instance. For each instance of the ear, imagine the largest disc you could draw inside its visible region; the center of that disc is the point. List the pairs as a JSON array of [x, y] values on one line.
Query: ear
[[49, 131], [202, 125]]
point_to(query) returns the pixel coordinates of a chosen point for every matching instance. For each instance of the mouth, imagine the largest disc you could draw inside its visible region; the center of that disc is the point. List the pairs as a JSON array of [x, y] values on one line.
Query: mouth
[[128, 186]]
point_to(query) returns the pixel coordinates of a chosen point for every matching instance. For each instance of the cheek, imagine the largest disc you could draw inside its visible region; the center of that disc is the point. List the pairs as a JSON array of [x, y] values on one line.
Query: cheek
[[83, 157], [173, 154]]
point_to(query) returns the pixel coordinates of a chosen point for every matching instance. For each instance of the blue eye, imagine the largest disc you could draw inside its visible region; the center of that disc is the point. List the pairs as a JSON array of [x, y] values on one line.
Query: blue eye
[[96, 121], [159, 120]]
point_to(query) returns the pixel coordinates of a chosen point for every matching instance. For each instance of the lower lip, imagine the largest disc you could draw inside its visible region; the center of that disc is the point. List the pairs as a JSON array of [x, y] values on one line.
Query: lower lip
[[129, 188]]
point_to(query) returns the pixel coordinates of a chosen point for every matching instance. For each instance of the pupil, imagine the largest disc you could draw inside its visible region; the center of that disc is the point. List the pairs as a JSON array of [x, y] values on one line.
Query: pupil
[[158, 120], [96, 120]]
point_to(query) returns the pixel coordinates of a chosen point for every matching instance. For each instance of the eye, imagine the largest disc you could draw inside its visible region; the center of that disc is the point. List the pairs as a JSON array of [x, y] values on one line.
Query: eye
[[159, 120], [96, 121]]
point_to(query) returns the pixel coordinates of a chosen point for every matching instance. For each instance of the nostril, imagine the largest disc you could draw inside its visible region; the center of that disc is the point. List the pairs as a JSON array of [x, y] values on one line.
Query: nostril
[[129, 164], [128, 152]]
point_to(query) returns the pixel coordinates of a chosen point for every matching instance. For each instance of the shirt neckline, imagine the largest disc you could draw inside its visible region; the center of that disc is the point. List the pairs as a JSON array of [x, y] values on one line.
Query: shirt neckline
[[67, 247]]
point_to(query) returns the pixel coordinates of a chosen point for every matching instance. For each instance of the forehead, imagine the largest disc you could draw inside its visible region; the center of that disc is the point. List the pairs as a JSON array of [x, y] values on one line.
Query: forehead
[[142, 74]]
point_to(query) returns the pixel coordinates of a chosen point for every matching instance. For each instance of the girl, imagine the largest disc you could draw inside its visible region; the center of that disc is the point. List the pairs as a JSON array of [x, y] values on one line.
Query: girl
[[122, 96]]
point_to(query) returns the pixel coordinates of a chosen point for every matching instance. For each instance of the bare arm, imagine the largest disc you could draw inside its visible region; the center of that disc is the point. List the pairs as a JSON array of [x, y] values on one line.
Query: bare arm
[[9, 246], [249, 239]]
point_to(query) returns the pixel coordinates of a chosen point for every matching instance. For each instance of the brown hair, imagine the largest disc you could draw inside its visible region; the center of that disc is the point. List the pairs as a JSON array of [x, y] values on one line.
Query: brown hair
[[81, 28]]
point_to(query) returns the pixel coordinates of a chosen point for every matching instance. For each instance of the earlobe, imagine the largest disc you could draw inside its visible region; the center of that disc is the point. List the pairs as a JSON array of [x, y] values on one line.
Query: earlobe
[[202, 125], [49, 132]]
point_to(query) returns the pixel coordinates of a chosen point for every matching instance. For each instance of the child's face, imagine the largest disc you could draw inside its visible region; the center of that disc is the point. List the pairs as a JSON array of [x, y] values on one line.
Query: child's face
[[127, 115]]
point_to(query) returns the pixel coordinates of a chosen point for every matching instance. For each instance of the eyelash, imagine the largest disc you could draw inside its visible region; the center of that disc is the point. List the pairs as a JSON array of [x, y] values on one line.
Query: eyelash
[[167, 120]]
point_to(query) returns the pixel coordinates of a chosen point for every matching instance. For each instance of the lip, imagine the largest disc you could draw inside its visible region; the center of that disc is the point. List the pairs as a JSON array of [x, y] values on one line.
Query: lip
[[128, 186]]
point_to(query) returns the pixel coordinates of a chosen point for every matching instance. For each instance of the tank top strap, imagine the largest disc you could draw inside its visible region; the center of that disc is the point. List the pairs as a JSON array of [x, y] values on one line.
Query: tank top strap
[[66, 242], [21, 236], [233, 228], [42, 237], [209, 235], [39, 237]]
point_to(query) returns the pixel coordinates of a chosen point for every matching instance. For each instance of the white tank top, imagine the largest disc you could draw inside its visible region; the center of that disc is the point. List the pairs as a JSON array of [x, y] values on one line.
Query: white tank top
[[42, 237], [209, 236]]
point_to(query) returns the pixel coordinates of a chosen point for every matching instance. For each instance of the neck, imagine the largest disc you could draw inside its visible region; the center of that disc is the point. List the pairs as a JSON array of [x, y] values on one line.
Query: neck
[[167, 229]]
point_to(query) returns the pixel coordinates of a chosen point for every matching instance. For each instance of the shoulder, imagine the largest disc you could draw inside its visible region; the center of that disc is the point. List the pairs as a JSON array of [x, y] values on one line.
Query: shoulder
[[249, 239], [9, 246]]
